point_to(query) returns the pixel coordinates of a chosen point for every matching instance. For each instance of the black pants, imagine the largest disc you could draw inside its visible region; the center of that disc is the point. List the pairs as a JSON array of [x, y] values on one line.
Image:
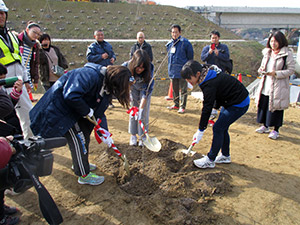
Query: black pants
[[78, 138], [1, 204], [266, 117]]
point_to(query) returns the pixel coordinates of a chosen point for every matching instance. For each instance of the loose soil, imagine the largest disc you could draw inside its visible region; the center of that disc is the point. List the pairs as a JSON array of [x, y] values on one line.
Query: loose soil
[[260, 186]]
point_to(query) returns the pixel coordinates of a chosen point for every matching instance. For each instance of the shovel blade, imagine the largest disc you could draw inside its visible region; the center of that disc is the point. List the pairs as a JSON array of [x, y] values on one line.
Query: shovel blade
[[188, 152], [152, 143], [126, 166]]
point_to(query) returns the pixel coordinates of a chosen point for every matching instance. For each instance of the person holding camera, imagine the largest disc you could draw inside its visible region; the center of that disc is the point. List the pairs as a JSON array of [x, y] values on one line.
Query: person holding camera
[[215, 51], [213, 54], [227, 92], [81, 93], [6, 211], [49, 56], [6, 107]]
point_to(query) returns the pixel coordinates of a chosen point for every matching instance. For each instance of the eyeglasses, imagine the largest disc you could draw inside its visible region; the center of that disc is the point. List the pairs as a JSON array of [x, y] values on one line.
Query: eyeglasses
[[36, 33]]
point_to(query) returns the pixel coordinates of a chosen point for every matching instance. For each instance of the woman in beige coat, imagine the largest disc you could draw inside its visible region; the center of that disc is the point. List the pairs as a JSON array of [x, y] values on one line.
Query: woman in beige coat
[[274, 91]]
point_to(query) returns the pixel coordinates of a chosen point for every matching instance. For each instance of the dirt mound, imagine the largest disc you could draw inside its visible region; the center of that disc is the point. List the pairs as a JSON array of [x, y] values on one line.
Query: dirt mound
[[165, 188], [165, 185]]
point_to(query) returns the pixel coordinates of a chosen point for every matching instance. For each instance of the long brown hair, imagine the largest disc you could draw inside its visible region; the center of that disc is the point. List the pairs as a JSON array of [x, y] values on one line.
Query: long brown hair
[[117, 83], [140, 57]]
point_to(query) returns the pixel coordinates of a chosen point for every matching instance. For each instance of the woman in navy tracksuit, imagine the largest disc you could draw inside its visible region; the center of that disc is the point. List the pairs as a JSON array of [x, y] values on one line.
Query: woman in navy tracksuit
[[81, 92], [227, 92]]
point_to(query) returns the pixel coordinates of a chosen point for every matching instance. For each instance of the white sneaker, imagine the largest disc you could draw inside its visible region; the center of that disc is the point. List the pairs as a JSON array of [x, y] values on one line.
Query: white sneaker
[[262, 130], [204, 162], [274, 135], [181, 110], [133, 140], [223, 159], [10, 191]]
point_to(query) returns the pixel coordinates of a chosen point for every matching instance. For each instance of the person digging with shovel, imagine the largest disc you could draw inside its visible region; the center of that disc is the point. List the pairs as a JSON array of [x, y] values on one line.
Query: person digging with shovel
[[142, 69], [78, 94], [229, 93]]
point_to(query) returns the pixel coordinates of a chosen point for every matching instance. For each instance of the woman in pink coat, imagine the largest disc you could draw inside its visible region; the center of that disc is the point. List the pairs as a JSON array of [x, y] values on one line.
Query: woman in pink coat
[[274, 91]]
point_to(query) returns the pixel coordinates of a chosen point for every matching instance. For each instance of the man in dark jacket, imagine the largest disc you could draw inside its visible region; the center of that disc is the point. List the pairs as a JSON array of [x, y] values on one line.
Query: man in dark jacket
[[180, 50], [214, 54], [100, 52], [216, 51], [141, 44], [227, 92]]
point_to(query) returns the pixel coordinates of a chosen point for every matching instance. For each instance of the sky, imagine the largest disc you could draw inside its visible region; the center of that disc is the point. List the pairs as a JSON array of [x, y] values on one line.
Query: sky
[[242, 3]]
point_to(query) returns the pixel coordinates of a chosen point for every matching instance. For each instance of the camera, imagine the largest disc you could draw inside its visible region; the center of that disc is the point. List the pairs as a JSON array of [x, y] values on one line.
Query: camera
[[33, 157], [8, 82]]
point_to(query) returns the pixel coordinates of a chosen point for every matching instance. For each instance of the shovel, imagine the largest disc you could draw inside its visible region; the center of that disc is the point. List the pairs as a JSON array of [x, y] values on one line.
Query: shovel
[[189, 150], [152, 143], [123, 157]]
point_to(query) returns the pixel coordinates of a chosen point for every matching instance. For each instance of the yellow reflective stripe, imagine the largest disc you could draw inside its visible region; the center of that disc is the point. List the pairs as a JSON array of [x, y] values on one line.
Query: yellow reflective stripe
[[16, 54]]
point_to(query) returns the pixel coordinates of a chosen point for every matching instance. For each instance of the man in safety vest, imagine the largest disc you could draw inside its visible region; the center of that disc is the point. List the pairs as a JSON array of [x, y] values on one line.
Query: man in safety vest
[[11, 58]]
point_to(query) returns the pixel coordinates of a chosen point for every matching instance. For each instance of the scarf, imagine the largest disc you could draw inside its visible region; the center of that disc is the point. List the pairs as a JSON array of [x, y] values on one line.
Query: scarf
[[27, 40]]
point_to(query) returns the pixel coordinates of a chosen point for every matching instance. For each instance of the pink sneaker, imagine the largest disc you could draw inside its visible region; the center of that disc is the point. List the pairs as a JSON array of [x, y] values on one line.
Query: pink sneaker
[[262, 130], [173, 107]]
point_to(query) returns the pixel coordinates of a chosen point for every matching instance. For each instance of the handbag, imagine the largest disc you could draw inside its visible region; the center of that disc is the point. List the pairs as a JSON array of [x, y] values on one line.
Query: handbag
[[58, 70]]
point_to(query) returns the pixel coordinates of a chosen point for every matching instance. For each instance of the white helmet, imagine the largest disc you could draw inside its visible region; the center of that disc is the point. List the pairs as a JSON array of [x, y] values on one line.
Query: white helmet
[[3, 7]]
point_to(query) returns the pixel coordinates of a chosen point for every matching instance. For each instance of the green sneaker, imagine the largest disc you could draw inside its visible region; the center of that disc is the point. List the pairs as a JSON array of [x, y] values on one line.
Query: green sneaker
[[91, 179], [92, 167]]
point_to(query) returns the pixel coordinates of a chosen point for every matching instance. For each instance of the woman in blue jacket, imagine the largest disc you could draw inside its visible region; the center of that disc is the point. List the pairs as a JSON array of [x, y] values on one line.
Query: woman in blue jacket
[[79, 93], [140, 94], [227, 92]]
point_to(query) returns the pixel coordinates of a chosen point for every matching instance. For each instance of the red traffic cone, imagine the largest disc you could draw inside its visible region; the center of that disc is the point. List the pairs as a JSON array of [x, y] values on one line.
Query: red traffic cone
[[170, 94], [240, 78], [31, 97]]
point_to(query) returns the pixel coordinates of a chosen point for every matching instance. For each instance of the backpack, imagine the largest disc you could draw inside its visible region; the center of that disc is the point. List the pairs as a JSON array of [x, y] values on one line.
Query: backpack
[[226, 66]]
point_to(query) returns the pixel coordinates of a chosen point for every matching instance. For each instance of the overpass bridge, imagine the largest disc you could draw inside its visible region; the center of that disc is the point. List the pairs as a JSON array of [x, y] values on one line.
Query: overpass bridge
[[250, 17]]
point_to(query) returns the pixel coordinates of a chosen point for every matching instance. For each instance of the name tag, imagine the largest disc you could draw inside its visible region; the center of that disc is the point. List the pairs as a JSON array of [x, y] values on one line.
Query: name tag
[[173, 50]]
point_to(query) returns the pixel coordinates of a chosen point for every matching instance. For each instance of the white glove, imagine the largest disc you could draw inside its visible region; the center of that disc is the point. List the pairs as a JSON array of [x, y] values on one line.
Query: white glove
[[106, 137], [198, 136], [140, 114], [91, 113], [109, 141]]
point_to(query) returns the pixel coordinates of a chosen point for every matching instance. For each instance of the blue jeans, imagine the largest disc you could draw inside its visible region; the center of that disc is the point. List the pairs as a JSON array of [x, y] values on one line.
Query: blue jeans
[[221, 139]]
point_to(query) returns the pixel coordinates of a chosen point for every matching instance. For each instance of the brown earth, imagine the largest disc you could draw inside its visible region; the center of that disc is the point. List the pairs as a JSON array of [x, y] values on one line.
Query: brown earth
[[260, 186]]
